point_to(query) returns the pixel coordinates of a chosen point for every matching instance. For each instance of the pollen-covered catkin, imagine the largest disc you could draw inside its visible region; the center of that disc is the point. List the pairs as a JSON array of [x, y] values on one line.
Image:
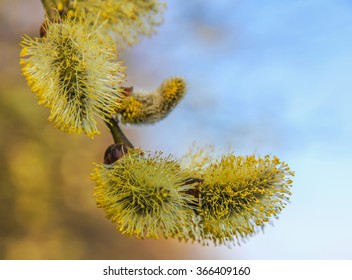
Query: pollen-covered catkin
[[126, 20], [74, 73], [155, 106], [145, 195], [239, 195]]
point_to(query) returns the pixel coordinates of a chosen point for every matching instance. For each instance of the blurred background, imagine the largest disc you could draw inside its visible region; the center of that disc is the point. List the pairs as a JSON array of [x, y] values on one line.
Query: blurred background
[[265, 77]]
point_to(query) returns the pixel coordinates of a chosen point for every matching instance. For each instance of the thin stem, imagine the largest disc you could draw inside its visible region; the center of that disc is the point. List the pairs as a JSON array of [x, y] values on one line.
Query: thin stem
[[117, 134], [49, 7]]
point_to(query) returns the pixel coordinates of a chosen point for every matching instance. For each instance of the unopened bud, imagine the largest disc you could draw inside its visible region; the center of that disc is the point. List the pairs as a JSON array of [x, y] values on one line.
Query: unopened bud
[[114, 152]]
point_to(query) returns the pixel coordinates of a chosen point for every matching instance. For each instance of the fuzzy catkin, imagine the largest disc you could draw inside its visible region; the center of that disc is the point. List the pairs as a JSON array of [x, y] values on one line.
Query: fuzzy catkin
[[126, 20], [73, 72], [239, 195], [144, 195], [155, 106]]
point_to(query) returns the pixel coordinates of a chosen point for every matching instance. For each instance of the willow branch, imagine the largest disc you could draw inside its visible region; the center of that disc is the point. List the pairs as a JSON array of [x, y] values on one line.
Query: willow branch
[[117, 134], [49, 7]]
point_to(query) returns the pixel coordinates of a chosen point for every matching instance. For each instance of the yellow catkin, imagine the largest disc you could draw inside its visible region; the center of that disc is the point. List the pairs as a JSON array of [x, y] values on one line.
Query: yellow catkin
[[145, 196], [74, 73], [127, 21], [238, 195], [154, 106], [132, 109], [173, 90]]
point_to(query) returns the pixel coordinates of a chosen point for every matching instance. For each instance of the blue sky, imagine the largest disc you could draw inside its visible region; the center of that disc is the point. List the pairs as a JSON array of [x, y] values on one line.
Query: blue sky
[[265, 77]]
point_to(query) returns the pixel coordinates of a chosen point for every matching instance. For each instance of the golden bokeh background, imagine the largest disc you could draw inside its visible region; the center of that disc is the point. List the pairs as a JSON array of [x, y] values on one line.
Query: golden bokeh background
[[46, 206]]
